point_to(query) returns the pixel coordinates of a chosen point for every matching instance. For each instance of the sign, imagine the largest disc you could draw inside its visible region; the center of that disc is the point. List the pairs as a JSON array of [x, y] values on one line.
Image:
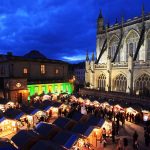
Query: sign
[[18, 85]]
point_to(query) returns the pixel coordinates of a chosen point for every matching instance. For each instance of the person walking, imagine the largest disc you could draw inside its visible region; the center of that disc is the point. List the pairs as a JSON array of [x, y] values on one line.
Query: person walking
[[135, 139]]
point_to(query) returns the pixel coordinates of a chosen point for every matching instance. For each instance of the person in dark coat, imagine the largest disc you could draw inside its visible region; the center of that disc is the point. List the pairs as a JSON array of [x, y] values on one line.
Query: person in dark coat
[[135, 138]]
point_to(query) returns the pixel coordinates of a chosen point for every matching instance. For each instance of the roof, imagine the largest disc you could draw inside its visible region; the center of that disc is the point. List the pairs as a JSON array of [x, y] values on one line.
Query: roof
[[46, 145], [83, 129], [93, 121], [66, 139], [6, 146], [23, 137], [6, 58], [75, 116], [29, 110], [45, 129], [56, 104], [13, 113], [127, 23], [2, 118], [61, 122], [35, 55]]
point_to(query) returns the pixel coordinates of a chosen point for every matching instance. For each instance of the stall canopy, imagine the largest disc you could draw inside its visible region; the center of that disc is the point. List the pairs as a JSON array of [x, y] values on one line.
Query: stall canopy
[[46, 145], [13, 114], [77, 116], [2, 118], [63, 122], [6, 146], [93, 121], [25, 138], [66, 139], [131, 110], [29, 110], [83, 129], [46, 129]]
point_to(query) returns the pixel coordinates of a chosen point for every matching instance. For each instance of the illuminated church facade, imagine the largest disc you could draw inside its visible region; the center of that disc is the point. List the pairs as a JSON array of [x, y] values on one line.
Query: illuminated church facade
[[122, 57]]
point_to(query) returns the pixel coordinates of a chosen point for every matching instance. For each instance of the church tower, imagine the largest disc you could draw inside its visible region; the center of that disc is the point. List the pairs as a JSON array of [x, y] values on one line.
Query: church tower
[[100, 23]]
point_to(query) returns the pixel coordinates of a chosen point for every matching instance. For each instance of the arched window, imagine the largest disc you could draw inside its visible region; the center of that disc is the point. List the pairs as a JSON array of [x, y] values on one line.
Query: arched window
[[120, 83], [113, 47], [148, 46], [142, 85], [102, 82], [132, 41]]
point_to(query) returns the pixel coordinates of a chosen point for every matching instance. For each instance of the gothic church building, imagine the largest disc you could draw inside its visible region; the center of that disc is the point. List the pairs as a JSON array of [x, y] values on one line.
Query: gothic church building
[[122, 57]]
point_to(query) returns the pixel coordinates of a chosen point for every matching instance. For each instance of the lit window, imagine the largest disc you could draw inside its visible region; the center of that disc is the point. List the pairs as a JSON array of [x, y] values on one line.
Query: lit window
[[25, 70], [42, 69], [56, 71]]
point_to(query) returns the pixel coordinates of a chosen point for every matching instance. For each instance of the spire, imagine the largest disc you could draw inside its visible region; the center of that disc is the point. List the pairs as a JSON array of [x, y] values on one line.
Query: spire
[[87, 56], [122, 21], [93, 56], [100, 15], [116, 21], [143, 13]]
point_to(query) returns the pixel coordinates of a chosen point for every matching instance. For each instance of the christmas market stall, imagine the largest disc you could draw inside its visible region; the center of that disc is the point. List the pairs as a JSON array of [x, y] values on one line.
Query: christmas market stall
[[5, 145], [64, 123], [18, 116], [117, 108], [130, 110], [46, 145], [86, 133], [77, 116], [47, 130], [66, 139], [25, 139], [7, 126], [32, 115]]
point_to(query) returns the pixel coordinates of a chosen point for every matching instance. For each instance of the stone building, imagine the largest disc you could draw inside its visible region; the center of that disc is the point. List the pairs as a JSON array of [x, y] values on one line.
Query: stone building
[[122, 56], [17, 72]]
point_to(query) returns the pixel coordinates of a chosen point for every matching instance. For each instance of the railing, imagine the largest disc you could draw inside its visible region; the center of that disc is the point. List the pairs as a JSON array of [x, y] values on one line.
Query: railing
[[118, 65], [100, 66]]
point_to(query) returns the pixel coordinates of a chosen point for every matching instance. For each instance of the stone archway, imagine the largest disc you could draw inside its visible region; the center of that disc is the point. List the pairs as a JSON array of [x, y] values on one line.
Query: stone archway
[[142, 85], [120, 83], [102, 82]]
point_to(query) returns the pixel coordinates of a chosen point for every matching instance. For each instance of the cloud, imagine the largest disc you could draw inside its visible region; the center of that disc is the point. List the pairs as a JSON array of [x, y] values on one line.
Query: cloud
[[59, 29]]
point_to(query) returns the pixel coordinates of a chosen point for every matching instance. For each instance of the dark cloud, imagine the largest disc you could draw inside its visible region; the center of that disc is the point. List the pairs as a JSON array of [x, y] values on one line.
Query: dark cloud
[[59, 29]]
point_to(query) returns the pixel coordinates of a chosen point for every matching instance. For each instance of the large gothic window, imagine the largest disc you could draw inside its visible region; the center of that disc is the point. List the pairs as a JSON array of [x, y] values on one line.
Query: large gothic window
[[120, 83], [142, 85], [148, 46], [102, 82], [113, 47], [132, 41]]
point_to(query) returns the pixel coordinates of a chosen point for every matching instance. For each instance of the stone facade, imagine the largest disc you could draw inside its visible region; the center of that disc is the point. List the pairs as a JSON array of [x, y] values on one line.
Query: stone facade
[[129, 72], [16, 72]]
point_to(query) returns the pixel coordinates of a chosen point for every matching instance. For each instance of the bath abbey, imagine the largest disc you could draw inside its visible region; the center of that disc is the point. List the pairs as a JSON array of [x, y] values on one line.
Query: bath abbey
[[122, 56]]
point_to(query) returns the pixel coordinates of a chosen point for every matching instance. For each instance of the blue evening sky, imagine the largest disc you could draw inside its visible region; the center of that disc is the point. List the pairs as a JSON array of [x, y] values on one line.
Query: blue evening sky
[[60, 29]]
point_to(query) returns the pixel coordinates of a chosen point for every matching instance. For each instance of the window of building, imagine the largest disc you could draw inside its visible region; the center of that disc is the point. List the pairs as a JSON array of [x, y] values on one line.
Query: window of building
[[113, 47], [57, 71], [102, 82], [25, 70], [42, 69], [132, 40]]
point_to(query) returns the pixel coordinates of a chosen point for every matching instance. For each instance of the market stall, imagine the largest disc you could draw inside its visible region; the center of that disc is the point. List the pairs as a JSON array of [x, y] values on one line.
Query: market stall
[[18, 116], [130, 110], [96, 103], [117, 108], [7, 126], [66, 139]]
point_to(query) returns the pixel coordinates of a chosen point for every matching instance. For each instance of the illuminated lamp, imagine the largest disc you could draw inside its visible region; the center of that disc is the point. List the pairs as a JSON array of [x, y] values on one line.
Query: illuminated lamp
[[18, 85]]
